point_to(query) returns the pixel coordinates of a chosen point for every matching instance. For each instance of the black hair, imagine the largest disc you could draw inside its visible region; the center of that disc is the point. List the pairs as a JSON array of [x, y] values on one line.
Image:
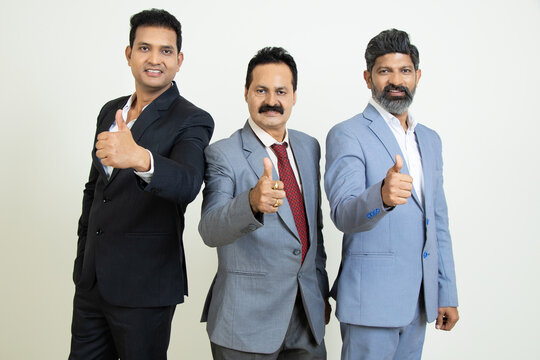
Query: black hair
[[390, 41], [272, 55], [155, 17]]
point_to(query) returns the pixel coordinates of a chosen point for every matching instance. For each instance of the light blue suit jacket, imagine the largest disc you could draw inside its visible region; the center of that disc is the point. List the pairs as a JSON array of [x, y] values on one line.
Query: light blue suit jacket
[[259, 274], [387, 255]]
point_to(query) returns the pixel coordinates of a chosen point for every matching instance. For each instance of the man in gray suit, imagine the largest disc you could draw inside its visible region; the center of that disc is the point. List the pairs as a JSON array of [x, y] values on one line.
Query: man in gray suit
[[397, 269], [269, 299]]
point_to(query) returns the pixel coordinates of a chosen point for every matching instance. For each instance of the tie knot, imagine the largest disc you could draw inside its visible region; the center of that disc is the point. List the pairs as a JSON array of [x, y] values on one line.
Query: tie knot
[[280, 150]]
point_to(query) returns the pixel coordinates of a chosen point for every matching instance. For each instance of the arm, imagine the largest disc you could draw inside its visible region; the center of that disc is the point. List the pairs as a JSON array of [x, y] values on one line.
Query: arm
[[178, 176], [448, 301], [226, 216], [353, 204]]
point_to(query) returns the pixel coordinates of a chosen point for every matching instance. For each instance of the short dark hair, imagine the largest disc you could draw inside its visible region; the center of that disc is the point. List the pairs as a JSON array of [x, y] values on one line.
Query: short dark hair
[[272, 55], [390, 41], [155, 17]]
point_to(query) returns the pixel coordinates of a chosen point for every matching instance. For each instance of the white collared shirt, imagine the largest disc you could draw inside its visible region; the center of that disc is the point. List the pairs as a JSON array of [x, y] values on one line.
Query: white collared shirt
[[268, 141], [408, 145], [145, 175]]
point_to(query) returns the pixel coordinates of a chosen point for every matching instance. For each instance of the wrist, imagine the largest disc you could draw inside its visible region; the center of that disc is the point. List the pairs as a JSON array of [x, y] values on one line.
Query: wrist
[[143, 160]]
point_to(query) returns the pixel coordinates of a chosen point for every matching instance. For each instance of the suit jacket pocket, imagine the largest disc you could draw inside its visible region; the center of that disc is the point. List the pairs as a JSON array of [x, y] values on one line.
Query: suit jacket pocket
[[247, 273]]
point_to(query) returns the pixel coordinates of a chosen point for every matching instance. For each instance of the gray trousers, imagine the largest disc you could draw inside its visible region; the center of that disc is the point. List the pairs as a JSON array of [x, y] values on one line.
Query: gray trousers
[[299, 343]]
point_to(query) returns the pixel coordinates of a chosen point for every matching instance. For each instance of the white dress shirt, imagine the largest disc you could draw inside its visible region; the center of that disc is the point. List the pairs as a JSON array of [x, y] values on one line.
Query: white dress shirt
[[268, 141], [408, 145], [145, 175]]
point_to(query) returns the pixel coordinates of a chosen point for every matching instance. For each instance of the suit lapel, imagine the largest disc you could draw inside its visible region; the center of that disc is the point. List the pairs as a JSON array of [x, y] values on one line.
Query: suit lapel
[[387, 138], [427, 164], [149, 115], [255, 152]]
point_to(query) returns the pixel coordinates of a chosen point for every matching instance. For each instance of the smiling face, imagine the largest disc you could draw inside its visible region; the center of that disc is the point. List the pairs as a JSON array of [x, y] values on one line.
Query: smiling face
[[154, 59], [270, 98], [393, 81]]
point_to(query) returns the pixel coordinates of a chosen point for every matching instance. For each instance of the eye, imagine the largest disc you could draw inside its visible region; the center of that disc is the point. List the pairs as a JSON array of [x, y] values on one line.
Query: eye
[[167, 51], [281, 92], [383, 71], [406, 71], [144, 48], [260, 91]]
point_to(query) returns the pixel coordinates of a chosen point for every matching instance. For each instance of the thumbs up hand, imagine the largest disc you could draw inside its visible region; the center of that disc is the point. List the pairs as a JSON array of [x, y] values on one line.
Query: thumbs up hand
[[397, 187], [268, 194], [119, 150]]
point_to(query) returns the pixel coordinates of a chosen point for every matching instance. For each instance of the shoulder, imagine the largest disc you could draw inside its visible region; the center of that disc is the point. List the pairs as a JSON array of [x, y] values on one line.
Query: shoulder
[[225, 145], [355, 124], [303, 137], [114, 104], [429, 134], [182, 107]]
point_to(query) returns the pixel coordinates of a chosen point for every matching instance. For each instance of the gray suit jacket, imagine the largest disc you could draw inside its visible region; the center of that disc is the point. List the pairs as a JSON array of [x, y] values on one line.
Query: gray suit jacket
[[259, 274], [387, 256]]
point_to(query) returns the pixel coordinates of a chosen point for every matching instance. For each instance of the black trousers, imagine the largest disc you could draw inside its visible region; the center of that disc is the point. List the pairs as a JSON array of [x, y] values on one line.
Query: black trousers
[[100, 330]]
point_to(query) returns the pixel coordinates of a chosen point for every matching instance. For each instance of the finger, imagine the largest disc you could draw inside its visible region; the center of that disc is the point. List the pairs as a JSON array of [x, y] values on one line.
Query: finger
[[439, 321], [277, 185], [278, 194], [267, 168], [120, 121], [398, 164], [403, 194], [103, 135]]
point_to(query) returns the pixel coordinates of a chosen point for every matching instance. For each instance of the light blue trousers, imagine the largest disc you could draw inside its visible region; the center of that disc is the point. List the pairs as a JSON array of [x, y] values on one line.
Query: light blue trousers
[[379, 343]]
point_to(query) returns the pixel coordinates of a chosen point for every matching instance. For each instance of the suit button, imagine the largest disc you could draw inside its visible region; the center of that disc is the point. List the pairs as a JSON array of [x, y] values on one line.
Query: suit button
[[251, 227], [299, 275], [105, 200], [296, 252], [427, 221], [426, 254], [99, 232]]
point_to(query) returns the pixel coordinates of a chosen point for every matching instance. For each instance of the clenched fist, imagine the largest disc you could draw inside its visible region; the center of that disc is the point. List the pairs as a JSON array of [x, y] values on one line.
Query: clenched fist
[[119, 150], [397, 187], [268, 194]]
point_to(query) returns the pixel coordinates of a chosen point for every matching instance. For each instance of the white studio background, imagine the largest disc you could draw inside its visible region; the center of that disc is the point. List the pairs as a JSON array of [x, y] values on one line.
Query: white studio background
[[62, 60]]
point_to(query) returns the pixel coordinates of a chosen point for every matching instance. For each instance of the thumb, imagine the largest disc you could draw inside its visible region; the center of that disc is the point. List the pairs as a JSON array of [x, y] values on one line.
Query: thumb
[[398, 165], [120, 121], [267, 168]]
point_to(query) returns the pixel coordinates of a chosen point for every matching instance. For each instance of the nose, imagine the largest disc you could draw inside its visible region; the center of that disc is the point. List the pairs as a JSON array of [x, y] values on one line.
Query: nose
[[395, 78], [271, 98], [155, 57]]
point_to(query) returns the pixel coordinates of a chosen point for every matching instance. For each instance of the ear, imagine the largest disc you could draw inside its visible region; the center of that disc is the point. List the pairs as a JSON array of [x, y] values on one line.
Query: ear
[[128, 54], [294, 98], [367, 78], [180, 60], [245, 94], [418, 76]]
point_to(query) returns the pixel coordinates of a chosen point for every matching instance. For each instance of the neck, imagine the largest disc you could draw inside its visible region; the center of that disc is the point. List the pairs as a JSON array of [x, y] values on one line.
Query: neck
[[403, 120], [144, 96]]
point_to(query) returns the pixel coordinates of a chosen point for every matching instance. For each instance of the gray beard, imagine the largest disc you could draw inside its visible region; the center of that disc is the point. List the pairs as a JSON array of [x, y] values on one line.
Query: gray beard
[[393, 106]]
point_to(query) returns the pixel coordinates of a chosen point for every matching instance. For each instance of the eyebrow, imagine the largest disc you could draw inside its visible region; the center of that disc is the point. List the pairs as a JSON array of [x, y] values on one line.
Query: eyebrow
[[142, 43]]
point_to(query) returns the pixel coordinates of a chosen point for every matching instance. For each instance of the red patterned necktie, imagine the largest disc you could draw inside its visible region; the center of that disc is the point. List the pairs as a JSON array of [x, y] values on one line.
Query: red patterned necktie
[[294, 197]]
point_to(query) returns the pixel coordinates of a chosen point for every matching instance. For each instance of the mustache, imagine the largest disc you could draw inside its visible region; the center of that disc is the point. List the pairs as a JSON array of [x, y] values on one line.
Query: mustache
[[266, 107], [390, 87]]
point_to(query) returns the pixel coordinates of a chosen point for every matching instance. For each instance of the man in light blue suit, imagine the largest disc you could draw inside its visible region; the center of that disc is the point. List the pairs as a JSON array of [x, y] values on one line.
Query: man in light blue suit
[[397, 268], [269, 299]]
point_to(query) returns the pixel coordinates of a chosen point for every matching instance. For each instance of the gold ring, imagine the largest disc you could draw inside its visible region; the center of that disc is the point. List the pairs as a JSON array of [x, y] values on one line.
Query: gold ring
[[276, 204], [276, 186]]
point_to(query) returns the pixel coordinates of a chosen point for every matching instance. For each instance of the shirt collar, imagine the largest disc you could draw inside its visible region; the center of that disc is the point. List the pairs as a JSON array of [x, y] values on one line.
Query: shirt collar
[[391, 120], [265, 137]]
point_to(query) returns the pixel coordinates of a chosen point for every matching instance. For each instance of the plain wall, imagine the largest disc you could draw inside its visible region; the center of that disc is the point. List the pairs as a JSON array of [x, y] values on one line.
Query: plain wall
[[60, 61]]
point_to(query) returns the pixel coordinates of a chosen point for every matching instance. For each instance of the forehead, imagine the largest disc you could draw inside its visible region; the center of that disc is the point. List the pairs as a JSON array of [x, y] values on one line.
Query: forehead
[[155, 35], [272, 75], [393, 60]]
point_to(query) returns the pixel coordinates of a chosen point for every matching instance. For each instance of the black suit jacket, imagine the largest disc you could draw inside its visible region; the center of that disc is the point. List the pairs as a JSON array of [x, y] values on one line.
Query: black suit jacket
[[130, 232]]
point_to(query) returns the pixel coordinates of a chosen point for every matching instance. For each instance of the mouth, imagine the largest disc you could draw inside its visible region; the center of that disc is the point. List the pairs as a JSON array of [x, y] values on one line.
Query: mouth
[[396, 93], [153, 72]]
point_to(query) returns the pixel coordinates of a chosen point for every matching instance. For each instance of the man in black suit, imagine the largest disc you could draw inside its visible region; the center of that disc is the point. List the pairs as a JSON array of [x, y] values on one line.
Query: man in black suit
[[148, 165]]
